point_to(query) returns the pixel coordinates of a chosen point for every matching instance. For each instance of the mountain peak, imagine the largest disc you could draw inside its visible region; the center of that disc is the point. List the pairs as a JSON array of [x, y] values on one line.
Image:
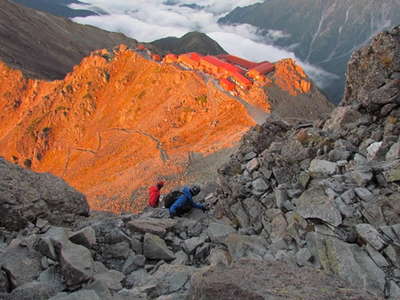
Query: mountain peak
[[190, 42]]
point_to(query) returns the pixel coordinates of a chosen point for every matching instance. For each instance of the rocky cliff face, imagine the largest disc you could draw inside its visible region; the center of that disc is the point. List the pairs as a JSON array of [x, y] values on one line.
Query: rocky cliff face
[[334, 29], [327, 195], [119, 121]]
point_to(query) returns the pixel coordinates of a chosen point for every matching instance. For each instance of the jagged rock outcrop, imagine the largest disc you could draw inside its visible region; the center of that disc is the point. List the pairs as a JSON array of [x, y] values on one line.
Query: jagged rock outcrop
[[26, 196], [326, 194]]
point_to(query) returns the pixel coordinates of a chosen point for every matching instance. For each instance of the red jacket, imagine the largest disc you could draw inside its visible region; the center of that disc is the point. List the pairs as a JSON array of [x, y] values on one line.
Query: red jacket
[[154, 196]]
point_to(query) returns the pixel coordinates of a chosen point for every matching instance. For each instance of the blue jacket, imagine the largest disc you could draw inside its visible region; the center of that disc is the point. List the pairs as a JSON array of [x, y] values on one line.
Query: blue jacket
[[182, 200]]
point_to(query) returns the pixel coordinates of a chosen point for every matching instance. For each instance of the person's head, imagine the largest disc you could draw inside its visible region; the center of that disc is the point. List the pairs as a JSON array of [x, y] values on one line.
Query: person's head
[[160, 185], [194, 190]]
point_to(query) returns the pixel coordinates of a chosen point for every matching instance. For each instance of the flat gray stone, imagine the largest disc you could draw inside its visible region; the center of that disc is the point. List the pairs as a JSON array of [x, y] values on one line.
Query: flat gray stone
[[112, 279], [252, 165], [322, 167], [85, 237], [260, 186], [394, 152], [364, 194], [243, 246], [351, 263], [303, 257], [171, 279], [119, 250], [33, 291], [77, 264], [191, 244], [151, 225], [155, 248], [22, 264], [368, 233], [217, 232], [313, 203], [133, 263]]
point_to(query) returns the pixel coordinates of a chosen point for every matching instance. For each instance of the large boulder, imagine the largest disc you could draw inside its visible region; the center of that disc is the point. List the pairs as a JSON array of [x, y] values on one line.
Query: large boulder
[[26, 195], [156, 248], [314, 203], [21, 264], [351, 263], [259, 280]]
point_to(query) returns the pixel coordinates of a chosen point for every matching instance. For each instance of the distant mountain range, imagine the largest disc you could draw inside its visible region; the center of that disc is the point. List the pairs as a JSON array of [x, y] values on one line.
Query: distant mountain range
[[322, 32], [57, 7], [46, 46]]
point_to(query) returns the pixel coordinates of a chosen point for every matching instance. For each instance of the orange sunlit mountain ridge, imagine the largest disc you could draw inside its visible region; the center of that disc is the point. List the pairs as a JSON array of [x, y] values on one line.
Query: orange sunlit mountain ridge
[[124, 118]]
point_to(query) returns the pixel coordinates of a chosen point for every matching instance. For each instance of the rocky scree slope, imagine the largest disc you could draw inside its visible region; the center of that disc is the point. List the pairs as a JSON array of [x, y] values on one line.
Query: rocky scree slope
[[327, 194], [334, 29], [147, 256], [119, 120]]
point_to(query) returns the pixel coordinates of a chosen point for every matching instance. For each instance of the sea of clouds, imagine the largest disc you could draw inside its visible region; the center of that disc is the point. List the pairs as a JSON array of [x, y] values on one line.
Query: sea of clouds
[[149, 20]]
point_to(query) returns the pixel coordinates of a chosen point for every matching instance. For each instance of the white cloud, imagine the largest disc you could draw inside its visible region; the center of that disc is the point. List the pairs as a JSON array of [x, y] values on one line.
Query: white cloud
[[148, 20]]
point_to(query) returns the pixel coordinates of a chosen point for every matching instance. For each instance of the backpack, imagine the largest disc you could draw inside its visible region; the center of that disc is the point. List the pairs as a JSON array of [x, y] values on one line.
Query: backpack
[[170, 198]]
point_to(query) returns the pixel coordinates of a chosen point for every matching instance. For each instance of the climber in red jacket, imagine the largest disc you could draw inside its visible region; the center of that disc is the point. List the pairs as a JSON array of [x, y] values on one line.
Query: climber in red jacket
[[154, 194]]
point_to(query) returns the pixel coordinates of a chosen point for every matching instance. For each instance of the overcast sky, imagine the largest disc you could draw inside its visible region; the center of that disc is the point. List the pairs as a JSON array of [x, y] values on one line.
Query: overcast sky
[[148, 20]]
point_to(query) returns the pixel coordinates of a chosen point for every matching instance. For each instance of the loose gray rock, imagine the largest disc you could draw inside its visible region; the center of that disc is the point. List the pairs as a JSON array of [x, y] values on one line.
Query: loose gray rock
[[112, 279], [371, 236], [364, 194], [33, 291], [20, 263], [323, 167], [76, 263], [313, 203], [351, 263], [85, 237], [217, 232], [155, 248], [191, 244], [152, 225], [242, 246]]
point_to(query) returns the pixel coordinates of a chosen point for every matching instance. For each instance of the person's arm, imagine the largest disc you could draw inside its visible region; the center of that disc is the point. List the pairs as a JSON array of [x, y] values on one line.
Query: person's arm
[[190, 199], [197, 205]]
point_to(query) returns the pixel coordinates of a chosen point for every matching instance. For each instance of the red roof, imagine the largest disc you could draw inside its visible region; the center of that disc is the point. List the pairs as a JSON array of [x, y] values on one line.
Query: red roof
[[264, 67], [192, 59], [221, 64], [241, 79], [227, 85], [194, 55], [237, 60]]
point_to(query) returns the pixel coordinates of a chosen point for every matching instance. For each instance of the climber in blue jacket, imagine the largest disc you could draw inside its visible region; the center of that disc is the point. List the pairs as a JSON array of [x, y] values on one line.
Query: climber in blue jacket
[[184, 203]]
